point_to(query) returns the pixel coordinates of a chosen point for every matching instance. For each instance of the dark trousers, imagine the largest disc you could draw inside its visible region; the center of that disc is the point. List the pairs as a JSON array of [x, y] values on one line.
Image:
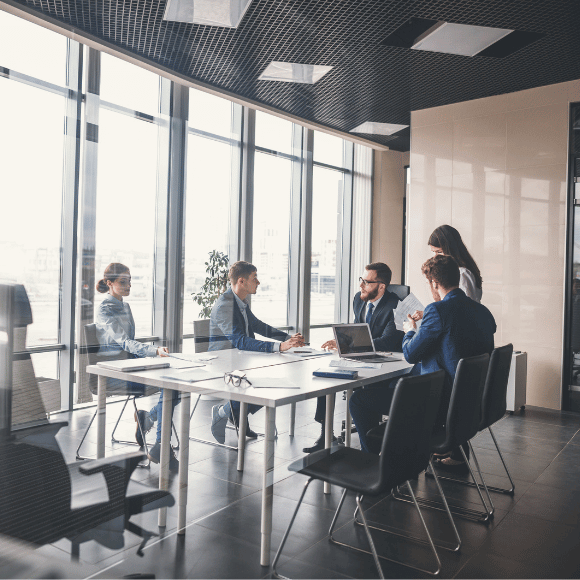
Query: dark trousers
[[236, 408]]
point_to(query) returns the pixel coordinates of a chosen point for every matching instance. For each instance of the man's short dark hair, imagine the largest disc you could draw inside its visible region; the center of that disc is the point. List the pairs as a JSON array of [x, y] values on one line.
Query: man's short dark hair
[[443, 269], [384, 273], [241, 269]]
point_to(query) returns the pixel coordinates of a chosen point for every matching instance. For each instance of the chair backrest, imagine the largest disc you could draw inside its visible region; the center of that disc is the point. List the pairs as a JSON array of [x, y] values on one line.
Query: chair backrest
[[90, 355], [400, 290], [493, 405], [464, 413], [201, 335], [407, 439]]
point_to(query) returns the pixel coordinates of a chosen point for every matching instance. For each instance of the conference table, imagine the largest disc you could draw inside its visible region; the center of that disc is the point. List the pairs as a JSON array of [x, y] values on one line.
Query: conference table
[[277, 379]]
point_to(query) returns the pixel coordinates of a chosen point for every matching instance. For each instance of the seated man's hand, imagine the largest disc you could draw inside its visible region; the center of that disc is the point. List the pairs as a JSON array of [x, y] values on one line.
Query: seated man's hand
[[296, 340], [409, 324], [329, 345], [417, 315], [162, 351]]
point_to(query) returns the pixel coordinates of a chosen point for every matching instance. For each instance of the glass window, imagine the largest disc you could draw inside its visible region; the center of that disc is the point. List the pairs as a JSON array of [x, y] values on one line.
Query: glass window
[[326, 217], [210, 113], [31, 182], [273, 133], [272, 190], [32, 50], [328, 149], [208, 194], [128, 85], [126, 205]]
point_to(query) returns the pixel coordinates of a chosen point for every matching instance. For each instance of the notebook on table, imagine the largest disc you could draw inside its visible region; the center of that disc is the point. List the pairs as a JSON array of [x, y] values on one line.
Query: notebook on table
[[135, 364], [354, 342]]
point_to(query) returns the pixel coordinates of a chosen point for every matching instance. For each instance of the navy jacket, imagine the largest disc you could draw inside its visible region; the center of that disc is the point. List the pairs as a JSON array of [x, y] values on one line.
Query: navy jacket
[[385, 335], [227, 327], [454, 328]]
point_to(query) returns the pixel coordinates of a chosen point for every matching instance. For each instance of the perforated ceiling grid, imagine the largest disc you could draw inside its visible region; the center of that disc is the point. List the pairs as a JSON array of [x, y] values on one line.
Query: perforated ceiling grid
[[369, 81]]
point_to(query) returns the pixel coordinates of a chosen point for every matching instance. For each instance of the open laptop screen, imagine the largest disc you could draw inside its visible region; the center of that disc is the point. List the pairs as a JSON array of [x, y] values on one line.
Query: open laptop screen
[[353, 339]]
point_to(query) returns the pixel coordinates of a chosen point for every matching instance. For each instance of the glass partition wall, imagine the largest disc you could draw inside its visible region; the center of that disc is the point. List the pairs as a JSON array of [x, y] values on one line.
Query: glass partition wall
[[103, 161]]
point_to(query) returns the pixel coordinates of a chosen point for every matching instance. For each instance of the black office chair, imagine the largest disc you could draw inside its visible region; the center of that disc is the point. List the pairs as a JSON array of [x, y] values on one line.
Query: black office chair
[[494, 406], [462, 424], [400, 290], [42, 499], [404, 454], [90, 355]]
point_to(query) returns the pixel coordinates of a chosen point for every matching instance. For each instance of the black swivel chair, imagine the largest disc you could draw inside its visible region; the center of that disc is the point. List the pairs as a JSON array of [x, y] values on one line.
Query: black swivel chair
[[404, 454], [494, 405], [400, 290], [462, 424]]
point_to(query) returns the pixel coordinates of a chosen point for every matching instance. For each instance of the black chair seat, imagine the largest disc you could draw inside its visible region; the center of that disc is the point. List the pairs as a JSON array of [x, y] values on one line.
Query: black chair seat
[[346, 467]]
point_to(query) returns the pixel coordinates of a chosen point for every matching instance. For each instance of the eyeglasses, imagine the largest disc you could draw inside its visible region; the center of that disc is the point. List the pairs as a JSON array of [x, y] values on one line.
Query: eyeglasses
[[367, 282], [236, 380]]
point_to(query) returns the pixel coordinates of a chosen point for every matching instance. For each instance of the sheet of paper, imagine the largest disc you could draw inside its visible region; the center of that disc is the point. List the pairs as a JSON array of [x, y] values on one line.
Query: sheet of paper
[[191, 375], [306, 351], [405, 307]]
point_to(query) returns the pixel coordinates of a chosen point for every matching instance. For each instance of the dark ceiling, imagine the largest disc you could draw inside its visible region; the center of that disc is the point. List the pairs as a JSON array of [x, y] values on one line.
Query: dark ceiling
[[369, 81]]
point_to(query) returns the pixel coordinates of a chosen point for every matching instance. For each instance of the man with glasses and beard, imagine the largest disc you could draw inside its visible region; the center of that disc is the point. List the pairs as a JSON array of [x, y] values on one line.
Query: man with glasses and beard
[[374, 304]]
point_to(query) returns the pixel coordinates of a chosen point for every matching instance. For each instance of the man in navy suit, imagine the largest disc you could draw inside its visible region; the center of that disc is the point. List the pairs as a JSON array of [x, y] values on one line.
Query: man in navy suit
[[374, 304], [232, 323], [453, 327]]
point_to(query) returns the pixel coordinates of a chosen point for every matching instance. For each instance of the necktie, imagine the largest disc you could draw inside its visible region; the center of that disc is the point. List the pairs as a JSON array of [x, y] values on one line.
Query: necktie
[[369, 313]]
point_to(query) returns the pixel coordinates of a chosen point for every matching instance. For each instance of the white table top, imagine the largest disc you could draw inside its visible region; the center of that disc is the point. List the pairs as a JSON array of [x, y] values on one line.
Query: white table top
[[278, 369]]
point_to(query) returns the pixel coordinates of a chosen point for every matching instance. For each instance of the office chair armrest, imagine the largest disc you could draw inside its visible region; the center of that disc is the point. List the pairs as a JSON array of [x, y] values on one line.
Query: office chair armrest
[[127, 462]]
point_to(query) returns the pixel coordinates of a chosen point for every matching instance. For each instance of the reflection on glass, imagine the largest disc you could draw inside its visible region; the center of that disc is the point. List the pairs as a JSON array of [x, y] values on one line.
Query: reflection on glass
[[128, 85], [210, 113], [272, 189], [31, 154], [328, 149], [273, 133], [32, 50], [326, 216], [207, 209], [126, 203]]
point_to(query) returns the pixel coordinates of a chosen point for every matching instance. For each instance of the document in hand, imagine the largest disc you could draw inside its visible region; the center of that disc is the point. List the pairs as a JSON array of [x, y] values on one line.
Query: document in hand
[[407, 306]]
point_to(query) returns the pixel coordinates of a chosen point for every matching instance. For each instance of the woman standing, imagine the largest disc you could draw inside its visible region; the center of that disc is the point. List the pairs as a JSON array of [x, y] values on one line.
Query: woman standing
[[116, 333]]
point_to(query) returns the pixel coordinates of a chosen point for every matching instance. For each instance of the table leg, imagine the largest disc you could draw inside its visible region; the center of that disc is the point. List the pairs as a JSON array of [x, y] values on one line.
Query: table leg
[[328, 429], [101, 416], [242, 435], [292, 418], [348, 420], [268, 486], [183, 462], [165, 442]]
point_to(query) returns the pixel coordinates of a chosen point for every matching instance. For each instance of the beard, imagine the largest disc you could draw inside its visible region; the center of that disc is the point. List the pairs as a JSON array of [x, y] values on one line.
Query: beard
[[371, 294]]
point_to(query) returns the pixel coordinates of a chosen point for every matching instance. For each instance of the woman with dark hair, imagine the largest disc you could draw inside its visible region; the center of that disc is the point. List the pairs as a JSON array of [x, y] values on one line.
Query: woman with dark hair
[[447, 240], [116, 333]]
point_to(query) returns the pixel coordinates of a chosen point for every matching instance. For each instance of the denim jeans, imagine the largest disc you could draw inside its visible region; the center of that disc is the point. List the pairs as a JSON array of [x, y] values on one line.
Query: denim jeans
[[157, 411]]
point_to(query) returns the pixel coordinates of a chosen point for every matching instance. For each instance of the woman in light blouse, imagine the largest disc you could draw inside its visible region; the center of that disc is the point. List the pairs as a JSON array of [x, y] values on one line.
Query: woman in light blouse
[[116, 333]]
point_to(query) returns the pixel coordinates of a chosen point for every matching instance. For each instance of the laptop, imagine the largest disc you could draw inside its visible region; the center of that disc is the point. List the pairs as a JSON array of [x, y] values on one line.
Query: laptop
[[354, 342], [135, 364]]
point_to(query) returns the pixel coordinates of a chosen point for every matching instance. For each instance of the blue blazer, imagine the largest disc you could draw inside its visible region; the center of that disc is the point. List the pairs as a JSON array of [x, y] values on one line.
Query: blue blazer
[[227, 327], [452, 329], [385, 335]]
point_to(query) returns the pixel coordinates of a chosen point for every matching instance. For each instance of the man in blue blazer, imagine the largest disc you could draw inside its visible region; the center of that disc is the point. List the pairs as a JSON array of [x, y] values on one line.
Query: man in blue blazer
[[453, 327], [373, 304], [232, 323]]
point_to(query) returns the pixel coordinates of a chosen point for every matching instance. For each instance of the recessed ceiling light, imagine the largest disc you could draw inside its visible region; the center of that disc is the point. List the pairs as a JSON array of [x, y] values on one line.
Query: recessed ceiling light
[[289, 72], [371, 128], [459, 39], [227, 13]]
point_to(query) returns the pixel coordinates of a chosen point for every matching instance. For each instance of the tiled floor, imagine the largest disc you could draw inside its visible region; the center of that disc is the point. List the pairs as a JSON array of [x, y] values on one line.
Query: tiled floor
[[535, 533]]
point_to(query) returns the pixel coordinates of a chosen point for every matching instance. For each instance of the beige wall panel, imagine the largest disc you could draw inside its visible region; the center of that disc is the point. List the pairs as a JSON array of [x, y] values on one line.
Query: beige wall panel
[[537, 195], [479, 144], [432, 150], [537, 136], [507, 197]]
